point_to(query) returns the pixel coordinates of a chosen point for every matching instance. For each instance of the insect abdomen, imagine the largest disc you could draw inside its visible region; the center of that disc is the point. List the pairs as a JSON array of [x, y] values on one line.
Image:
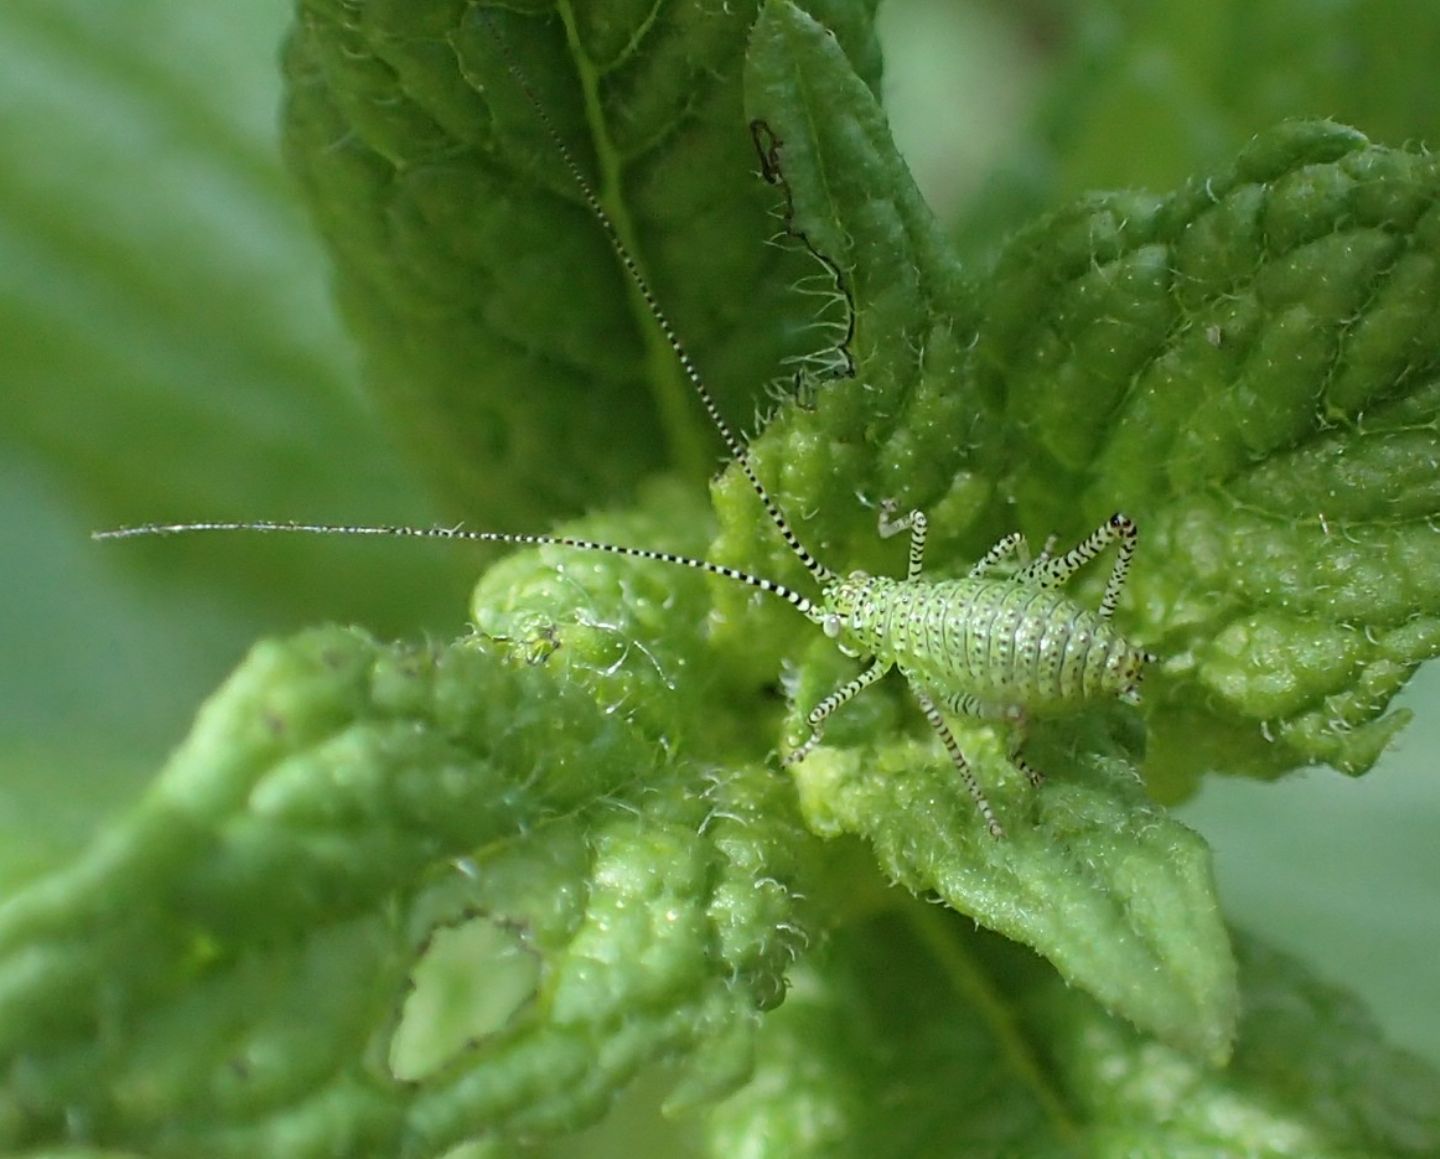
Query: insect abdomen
[[1004, 642]]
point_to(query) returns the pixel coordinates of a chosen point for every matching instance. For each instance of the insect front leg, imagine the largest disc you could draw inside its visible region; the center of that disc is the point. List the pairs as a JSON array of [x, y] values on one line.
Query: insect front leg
[[916, 523], [963, 704], [1051, 571], [841, 696], [947, 738]]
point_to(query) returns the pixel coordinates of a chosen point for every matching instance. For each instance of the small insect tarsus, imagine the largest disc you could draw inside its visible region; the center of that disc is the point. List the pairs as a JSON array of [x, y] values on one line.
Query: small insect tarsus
[[994, 647]]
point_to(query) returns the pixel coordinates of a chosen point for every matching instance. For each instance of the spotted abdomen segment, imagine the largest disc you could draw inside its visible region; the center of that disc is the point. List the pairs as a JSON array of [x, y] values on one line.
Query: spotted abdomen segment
[[1000, 640]]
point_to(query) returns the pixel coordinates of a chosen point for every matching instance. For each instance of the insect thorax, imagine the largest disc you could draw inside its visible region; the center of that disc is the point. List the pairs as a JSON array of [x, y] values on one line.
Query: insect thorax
[[999, 640]]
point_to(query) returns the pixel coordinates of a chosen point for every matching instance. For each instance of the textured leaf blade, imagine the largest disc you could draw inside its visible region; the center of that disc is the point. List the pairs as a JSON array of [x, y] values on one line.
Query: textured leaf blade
[[690, 860], [298, 854], [1117, 895], [469, 267], [1005, 1057], [1262, 406], [1094, 878]]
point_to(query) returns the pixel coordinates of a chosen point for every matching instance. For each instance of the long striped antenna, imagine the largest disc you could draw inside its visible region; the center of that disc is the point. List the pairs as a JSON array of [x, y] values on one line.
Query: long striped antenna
[[802, 603], [592, 201]]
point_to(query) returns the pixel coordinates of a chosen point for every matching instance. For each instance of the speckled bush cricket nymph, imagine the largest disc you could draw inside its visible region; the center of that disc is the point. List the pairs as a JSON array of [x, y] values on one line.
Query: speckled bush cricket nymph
[[997, 647]]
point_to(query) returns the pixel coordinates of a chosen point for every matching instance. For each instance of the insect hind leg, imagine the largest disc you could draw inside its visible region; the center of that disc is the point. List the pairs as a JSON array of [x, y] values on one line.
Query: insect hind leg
[[1049, 571]]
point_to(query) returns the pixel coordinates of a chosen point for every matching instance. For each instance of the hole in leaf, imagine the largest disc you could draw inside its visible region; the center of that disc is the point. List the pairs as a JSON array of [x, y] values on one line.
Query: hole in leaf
[[468, 983]]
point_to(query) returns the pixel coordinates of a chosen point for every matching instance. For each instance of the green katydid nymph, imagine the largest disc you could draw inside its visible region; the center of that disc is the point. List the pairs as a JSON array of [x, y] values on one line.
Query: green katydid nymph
[[992, 645]]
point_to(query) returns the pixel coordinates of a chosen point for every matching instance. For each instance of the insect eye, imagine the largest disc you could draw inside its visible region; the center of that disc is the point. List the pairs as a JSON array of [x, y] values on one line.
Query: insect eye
[[831, 625]]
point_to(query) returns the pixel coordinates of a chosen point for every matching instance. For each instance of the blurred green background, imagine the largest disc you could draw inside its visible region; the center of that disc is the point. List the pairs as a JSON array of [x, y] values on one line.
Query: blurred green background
[[168, 351]]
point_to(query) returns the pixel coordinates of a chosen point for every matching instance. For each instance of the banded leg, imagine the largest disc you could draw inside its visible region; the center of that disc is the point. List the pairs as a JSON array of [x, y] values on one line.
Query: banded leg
[[916, 524], [1051, 571], [841, 696], [947, 738], [1012, 544], [963, 704]]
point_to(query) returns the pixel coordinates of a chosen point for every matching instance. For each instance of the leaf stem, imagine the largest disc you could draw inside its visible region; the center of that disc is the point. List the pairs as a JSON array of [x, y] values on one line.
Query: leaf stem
[[935, 928], [687, 447]]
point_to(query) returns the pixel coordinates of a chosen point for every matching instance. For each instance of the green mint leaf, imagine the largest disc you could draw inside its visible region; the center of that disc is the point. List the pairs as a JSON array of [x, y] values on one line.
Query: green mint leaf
[[1002, 1055], [340, 804], [576, 814], [1257, 356], [1118, 896], [1100, 881], [501, 338], [1202, 361]]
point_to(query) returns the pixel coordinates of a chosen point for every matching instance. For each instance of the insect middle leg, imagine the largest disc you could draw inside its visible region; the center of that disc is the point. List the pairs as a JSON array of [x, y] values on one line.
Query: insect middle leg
[[1049, 571], [963, 704], [952, 746], [847, 692]]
